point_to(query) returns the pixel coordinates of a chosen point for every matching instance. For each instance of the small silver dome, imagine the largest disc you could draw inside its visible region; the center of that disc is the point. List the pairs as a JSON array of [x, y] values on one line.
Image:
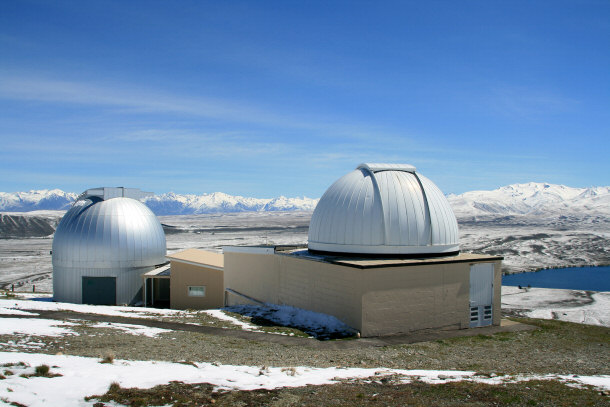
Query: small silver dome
[[384, 209], [118, 237]]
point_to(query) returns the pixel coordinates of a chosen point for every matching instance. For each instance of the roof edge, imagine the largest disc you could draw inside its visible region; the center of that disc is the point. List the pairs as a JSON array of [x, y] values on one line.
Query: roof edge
[[382, 249], [376, 167]]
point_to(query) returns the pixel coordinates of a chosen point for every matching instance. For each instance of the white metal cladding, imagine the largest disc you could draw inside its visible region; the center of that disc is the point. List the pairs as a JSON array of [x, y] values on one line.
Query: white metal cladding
[[481, 294], [384, 209], [118, 237]]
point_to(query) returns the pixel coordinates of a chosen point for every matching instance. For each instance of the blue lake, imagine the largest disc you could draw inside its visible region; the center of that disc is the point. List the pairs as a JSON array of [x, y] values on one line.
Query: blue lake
[[574, 278]]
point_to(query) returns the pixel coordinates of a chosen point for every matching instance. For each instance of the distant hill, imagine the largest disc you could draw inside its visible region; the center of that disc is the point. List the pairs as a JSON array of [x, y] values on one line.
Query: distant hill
[[538, 199], [18, 226]]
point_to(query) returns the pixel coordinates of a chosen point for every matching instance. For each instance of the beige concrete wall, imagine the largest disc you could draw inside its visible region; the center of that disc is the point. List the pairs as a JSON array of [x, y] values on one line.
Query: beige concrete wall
[[402, 299], [256, 275], [278, 279], [322, 287], [375, 301], [184, 275]]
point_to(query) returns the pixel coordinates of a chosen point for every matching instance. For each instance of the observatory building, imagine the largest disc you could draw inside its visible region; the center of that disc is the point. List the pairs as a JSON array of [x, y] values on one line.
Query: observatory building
[[103, 245], [383, 257], [384, 210]]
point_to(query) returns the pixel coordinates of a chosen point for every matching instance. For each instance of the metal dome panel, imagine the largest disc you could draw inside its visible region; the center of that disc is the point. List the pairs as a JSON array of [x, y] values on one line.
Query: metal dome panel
[[383, 209], [117, 233], [119, 237]]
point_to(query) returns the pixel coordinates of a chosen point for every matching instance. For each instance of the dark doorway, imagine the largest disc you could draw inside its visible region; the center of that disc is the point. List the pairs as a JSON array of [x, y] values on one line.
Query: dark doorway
[[99, 290], [157, 292]]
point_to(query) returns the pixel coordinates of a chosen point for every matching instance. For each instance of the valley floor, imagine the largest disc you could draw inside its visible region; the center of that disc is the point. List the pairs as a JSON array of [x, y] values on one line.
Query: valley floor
[[527, 243]]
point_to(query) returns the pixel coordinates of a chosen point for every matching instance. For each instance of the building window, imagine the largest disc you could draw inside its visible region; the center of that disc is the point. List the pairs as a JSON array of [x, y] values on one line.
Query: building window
[[196, 291]]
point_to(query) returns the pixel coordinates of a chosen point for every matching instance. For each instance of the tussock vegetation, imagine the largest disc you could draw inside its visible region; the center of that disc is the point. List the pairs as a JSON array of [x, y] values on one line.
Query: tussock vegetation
[[532, 393], [107, 357]]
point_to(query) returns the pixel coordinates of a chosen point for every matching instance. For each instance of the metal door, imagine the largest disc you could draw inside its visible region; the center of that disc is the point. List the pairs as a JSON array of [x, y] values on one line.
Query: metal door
[[99, 290], [481, 294]]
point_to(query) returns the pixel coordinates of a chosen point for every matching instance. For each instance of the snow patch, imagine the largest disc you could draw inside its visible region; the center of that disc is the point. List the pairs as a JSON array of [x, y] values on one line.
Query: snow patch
[[81, 377], [321, 326], [131, 329], [119, 311], [219, 314], [35, 327], [583, 307]]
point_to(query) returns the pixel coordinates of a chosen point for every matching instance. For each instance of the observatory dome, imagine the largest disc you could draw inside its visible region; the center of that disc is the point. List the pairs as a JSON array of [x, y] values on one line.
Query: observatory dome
[[384, 210], [106, 234]]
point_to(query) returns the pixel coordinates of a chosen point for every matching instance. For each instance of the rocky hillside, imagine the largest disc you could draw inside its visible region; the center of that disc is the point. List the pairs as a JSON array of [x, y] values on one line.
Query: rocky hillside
[[19, 226]]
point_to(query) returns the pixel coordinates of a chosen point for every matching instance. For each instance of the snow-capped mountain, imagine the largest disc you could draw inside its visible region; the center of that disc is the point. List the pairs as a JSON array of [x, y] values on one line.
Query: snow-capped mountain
[[217, 202], [533, 199], [538, 199], [164, 204], [54, 199]]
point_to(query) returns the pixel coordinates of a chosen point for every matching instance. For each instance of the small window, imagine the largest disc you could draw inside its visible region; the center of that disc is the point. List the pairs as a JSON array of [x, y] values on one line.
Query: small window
[[196, 291]]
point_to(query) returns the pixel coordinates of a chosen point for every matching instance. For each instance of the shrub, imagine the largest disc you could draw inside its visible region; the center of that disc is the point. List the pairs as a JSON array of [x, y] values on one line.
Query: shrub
[[108, 357], [42, 370]]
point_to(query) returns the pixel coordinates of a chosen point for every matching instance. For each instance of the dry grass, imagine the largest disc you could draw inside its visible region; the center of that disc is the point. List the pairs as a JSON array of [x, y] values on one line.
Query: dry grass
[[107, 357], [532, 393]]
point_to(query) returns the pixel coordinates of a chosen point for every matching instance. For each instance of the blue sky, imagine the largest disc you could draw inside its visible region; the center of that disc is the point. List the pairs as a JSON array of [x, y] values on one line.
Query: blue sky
[[282, 98]]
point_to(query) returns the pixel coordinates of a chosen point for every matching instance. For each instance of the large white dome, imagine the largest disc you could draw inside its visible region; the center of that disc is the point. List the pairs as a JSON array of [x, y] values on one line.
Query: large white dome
[[384, 209]]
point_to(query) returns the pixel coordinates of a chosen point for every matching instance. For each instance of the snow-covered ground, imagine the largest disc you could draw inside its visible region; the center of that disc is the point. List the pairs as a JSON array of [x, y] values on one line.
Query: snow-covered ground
[[582, 307], [45, 304], [81, 377], [320, 325]]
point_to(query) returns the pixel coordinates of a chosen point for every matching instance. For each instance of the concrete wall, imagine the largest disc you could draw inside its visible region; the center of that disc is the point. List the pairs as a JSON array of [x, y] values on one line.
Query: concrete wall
[[278, 279], [184, 275], [322, 287], [375, 301], [402, 299], [256, 275]]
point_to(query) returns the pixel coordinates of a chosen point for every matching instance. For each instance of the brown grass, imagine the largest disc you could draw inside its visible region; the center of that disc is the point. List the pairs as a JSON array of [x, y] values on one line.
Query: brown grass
[[532, 393]]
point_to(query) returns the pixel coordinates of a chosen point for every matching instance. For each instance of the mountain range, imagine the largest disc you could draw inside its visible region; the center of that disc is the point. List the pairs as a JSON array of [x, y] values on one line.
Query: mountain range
[[538, 199], [164, 204], [533, 198]]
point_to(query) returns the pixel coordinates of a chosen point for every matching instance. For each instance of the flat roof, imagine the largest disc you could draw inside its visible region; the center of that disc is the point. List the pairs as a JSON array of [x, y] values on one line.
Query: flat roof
[[261, 249], [366, 263], [161, 272], [199, 257]]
